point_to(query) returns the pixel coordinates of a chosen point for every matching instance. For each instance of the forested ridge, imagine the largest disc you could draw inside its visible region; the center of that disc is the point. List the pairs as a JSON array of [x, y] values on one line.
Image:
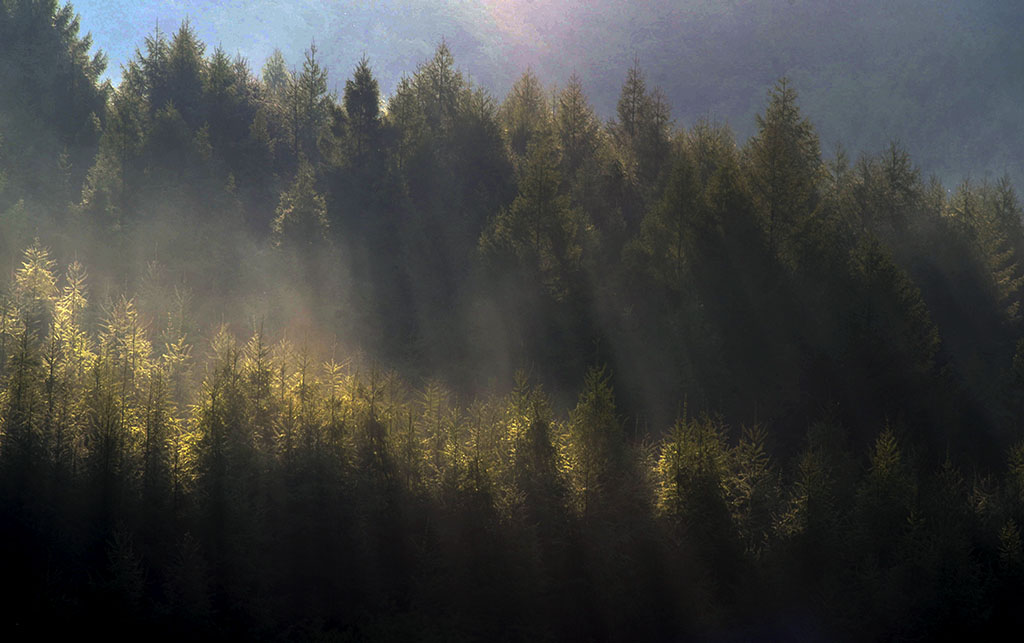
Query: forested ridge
[[277, 363]]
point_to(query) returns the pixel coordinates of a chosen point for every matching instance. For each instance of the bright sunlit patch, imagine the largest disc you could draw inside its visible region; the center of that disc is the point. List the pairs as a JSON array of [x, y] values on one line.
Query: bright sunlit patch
[[533, 21], [511, 16]]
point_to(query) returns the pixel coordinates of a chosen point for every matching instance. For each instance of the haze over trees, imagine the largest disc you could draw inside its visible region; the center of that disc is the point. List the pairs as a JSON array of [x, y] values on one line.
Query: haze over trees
[[278, 362], [867, 72]]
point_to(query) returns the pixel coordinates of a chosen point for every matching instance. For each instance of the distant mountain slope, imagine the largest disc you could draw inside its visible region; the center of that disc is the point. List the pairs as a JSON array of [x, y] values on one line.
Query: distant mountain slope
[[945, 78]]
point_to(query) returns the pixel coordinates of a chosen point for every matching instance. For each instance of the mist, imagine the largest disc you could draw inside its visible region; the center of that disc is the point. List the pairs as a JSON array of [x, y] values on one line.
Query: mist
[[867, 74], [575, 321]]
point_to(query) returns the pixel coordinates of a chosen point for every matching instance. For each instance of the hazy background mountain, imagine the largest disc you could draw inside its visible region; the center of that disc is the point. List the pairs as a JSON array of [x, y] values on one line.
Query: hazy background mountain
[[917, 70]]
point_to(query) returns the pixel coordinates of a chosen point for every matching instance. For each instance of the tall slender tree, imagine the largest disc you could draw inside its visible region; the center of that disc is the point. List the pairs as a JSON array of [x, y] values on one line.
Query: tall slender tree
[[785, 168]]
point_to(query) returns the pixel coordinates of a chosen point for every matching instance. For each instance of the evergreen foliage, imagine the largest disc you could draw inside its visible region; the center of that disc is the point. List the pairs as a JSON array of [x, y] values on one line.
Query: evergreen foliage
[[783, 394]]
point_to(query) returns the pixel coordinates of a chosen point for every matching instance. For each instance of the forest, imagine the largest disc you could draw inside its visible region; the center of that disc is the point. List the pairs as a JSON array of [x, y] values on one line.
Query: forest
[[280, 363]]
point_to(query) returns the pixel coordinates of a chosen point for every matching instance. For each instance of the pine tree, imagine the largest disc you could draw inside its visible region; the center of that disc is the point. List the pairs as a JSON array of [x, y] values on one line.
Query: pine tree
[[362, 108], [275, 76], [308, 107], [407, 122], [690, 474], [577, 127], [301, 216], [1000, 241], [885, 505], [221, 97], [887, 193], [641, 138], [754, 490], [439, 88], [112, 181], [35, 291], [597, 445], [186, 72], [669, 228], [73, 360], [21, 411], [153, 72], [785, 169], [541, 230], [890, 316], [525, 113], [53, 101], [633, 102]]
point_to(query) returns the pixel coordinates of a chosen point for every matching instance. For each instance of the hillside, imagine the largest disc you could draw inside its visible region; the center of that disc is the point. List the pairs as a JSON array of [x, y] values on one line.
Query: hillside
[[433, 362]]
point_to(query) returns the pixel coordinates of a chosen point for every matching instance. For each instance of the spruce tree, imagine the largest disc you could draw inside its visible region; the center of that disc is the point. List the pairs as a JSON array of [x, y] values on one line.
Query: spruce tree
[[785, 169]]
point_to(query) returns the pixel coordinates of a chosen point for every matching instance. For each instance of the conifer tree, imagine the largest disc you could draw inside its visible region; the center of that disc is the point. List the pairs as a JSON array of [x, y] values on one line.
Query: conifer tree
[[641, 141], [185, 75], [362, 108], [275, 75], [301, 217], [71, 363], [784, 161], [669, 228], [525, 113], [633, 101], [439, 87], [889, 315], [597, 446], [577, 127], [35, 291], [541, 230], [690, 471], [997, 227], [754, 490], [308, 107], [53, 104]]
